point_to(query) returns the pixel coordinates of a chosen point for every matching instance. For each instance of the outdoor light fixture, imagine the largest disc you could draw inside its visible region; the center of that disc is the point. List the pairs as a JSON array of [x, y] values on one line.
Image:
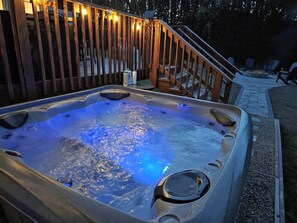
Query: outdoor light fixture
[[108, 12], [115, 17], [84, 11], [138, 26]]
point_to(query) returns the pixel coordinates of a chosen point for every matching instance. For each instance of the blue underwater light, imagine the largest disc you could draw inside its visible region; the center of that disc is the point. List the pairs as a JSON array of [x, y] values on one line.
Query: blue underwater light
[[65, 181], [145, 167], [140, 151]]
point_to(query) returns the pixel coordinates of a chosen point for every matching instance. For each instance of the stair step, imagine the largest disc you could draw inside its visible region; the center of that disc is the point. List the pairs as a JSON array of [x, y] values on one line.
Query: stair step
[[164, 79], [172, 67], [202, 92], [174, 90], [184, 76], [190, 83]]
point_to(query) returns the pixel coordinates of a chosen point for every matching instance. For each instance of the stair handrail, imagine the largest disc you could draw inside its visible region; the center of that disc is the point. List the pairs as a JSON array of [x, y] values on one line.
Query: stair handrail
[[209, 48], [209, 55], [192, 48]]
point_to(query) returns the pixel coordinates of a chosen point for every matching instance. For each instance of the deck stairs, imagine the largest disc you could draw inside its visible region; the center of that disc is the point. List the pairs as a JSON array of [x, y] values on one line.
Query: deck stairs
[[185, 78]]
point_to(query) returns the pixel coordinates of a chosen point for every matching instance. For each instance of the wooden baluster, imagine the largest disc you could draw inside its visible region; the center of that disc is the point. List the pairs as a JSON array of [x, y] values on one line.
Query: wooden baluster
[[103, 46], [129, 53], [144, 51], [194, 75], [84, 45], [170, 52], [40, 48], [119, 49], [59, 44], [176, 56], [207, 81], [132, 49], [140, 52], [124, 50], [201, 67], [114, 50], [156, 54], [3, 55], [182, 64], [90, 28], [76, 44], [188, 68], [17, 49], [50, 45], [109, 39], [151, 34], [164, 47], [68, 47], [97, 42]]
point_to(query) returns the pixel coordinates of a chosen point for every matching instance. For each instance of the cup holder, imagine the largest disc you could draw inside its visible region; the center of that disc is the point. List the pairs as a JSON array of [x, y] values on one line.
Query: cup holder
[[182, 187]]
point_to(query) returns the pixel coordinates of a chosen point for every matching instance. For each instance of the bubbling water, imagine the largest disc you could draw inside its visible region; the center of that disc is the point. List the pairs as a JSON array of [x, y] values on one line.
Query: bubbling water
[[116, 151]]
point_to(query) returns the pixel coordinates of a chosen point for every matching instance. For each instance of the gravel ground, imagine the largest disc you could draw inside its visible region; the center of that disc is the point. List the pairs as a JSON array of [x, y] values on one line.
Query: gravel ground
[[284, 104]]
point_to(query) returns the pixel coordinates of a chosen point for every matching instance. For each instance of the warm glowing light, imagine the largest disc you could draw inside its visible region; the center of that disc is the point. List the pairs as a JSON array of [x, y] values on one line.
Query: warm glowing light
[[108, 13], [84, 11], [115, 18], [138, 26]]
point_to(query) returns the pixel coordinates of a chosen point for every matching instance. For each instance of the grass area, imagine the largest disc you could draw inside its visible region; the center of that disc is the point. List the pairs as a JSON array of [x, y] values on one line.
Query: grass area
[[284, 104]]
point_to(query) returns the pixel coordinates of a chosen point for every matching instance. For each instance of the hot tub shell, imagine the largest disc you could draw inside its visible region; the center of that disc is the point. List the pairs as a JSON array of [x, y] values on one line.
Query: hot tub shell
[[27, 195]]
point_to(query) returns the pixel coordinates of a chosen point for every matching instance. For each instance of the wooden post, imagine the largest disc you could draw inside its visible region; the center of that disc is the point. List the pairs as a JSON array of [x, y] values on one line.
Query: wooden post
[[227, 91], [40, 48], [50, 45], [156, 54], [68, 46], [17, 10], [97, 45], [3, 55], [76, 43], [59, 44], [215, 96]]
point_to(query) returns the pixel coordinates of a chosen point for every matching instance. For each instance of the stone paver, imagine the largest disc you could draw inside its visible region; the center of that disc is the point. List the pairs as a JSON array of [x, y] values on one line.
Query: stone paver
[[254, 96], [262, 197]]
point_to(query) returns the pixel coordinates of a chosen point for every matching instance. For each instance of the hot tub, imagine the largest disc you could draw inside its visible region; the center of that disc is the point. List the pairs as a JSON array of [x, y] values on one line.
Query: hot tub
[[116, 154]]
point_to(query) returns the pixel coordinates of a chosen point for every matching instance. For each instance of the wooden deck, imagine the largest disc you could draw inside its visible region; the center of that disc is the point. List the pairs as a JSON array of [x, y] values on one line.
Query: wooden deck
[[67, 46]]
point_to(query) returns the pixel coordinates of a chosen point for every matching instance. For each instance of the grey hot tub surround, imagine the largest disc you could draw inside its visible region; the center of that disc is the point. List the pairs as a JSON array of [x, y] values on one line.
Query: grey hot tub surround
[[27, 195]]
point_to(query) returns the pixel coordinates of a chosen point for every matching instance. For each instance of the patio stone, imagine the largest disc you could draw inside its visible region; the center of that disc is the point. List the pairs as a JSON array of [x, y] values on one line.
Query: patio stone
[[260, 201]]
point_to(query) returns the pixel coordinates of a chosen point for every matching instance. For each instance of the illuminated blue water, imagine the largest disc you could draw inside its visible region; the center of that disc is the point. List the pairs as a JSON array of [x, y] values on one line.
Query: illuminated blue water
[[117, 151]]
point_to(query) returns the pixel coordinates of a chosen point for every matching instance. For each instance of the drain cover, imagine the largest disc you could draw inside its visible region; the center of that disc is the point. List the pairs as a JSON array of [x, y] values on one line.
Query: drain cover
[[182, 187]]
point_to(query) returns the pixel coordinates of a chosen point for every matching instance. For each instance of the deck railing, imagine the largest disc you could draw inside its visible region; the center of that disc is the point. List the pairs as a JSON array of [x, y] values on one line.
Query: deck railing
[[67, 46], [203, 47], [187, 68]]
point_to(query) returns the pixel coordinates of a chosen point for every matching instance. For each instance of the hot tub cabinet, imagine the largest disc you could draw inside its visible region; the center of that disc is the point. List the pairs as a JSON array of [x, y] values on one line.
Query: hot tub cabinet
[[208, 192]]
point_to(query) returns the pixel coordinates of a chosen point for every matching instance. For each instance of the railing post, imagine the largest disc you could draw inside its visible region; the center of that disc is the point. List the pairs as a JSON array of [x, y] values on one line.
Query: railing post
[[215, 96], [3, 55], [156, 53], [227, 91], [17, 10]]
